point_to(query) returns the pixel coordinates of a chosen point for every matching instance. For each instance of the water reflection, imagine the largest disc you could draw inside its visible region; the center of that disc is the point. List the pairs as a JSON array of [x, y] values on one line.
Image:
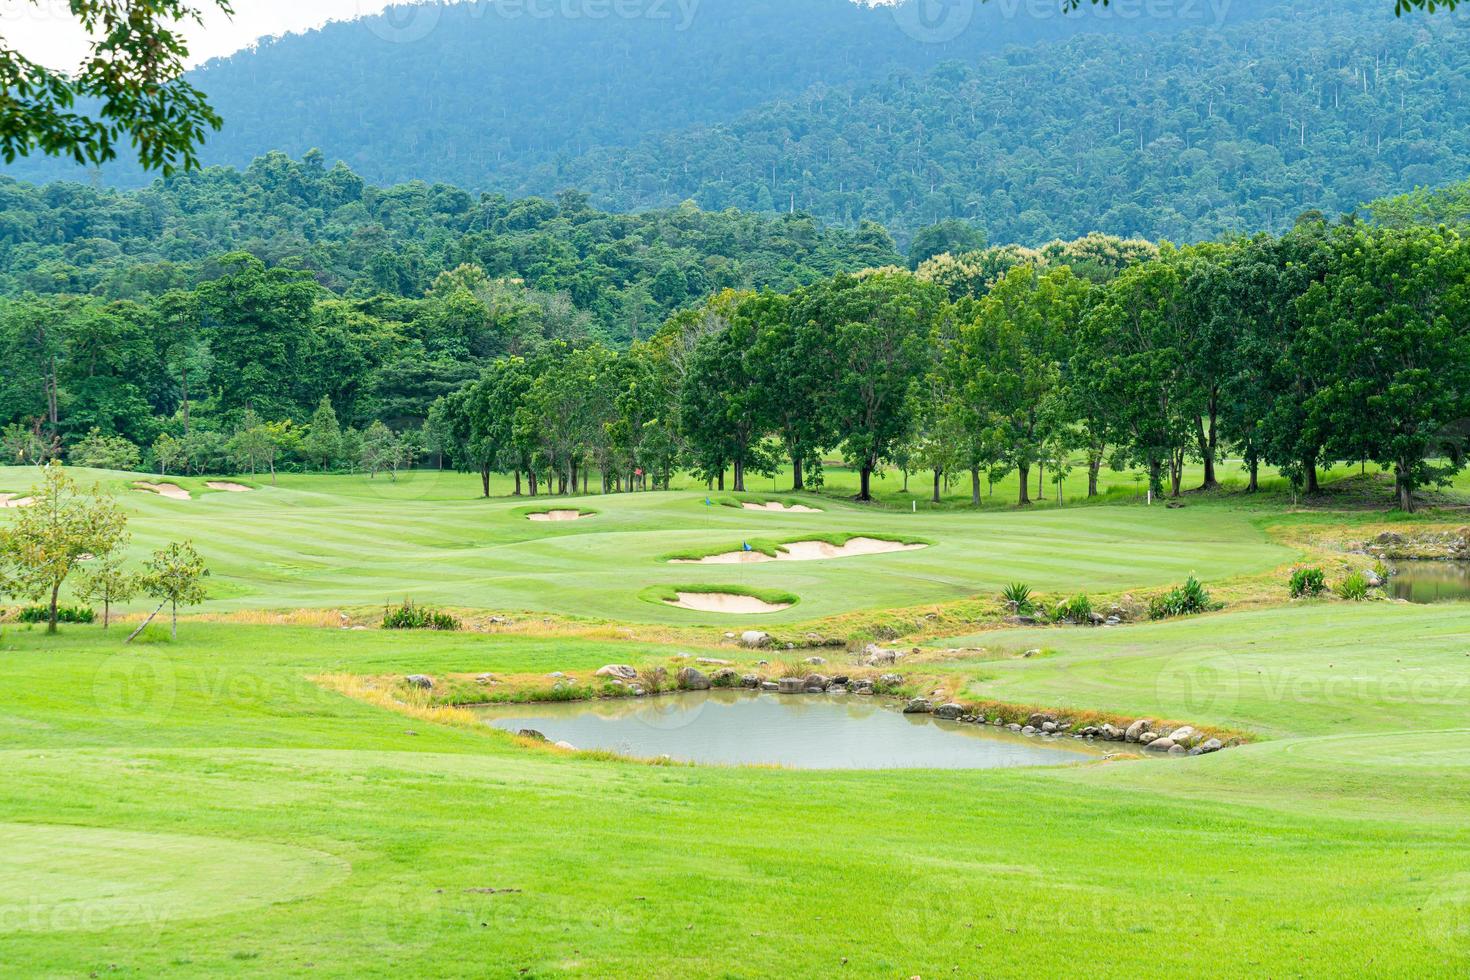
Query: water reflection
[[799, 731], [1430, 581]]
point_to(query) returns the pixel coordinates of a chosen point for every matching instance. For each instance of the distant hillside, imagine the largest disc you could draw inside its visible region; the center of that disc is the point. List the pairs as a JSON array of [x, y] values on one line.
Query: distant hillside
[[1184, 137], [1163, 126], [483, 94]]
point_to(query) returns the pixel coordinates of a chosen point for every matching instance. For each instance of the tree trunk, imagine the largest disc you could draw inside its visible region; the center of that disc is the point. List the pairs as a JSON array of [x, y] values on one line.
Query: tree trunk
[[1040, 480], [485, 480], [739, 475], [1156, 476], [1094, 466], [1309, 471], [1403, 488], [518, 484], [106, 612], [974, 486], [51, 620], [798, 479], [1255, 479], [1176, 472], [531, 480], [720, 483], [1025, 472], [1208, 440], [174, 632], [865, 491], [938, 472]]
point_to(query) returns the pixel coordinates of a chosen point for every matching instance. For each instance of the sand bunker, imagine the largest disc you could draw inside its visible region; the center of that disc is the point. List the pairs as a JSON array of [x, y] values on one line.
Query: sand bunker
[[725, 602], [227, 487], [169, 490], [805, 551], [783, 508], [559, 515], [11, 500]]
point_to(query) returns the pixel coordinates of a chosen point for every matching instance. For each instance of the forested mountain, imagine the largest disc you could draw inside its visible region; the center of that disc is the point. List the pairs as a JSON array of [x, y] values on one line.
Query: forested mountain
[[498, 96], [1185, 138], [626, 271], [480, 94]]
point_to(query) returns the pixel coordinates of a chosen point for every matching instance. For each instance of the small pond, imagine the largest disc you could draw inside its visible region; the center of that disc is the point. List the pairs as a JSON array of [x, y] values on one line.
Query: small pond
[[1430, 581], [797, 731]]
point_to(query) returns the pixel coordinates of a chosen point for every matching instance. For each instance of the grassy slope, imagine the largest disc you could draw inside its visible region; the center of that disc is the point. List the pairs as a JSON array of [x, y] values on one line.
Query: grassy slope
[[1310, 854], [346, 541]]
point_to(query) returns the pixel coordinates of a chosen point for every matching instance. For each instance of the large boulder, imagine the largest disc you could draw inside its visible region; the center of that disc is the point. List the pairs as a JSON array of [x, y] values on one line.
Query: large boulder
[[791, 685], [891, 680], [818, 681], [950, 711], [755, 639], [1210, 745], [1040, 718], [918, 706], [752, 681], [1185, 736], [1160, 745], [621, 672], [1113, 733], [421, 681], [1135, 731], [725, 677], [693, 680]]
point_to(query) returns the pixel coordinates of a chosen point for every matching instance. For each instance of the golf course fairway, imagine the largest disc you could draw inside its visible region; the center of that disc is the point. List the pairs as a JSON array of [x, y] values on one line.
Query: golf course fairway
[[260, 799]]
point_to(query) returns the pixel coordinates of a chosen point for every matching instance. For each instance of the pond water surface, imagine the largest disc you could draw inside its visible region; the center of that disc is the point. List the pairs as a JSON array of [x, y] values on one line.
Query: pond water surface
[[814, 731], [1430, 581]]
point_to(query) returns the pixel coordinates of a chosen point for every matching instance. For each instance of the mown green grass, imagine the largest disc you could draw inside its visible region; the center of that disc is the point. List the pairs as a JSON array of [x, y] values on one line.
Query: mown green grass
[[348, 542], [1325, 850]]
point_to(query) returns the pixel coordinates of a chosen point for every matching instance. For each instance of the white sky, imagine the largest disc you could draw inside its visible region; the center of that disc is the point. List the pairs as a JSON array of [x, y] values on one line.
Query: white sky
[[44, 31]]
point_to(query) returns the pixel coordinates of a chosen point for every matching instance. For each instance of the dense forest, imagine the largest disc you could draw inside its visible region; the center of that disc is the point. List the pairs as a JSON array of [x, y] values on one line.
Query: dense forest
[[1183, 137], [1333, 342], [479, 94], [624, 272], [1200, 120]]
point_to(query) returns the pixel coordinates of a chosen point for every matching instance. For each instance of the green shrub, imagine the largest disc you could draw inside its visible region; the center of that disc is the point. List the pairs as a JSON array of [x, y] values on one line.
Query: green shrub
[[1354, 588], [1077, 609], [64, 614], [1017, 597], [411, 617], [1187, 600], [1307, 582]]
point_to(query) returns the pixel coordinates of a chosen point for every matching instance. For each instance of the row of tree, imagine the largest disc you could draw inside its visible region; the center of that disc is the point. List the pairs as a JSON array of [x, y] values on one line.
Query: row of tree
[[1346, 343]]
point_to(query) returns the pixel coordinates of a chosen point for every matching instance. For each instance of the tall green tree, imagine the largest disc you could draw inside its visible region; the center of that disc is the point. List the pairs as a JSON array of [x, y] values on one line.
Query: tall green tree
[[1392, 319], [878, 327]]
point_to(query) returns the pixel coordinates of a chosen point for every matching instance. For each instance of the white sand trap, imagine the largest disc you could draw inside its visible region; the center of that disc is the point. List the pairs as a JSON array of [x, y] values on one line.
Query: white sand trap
[[11, 500], [805, 551], [227, 487], [559, 515], [782, 508], [725, 602], [169, 490]]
